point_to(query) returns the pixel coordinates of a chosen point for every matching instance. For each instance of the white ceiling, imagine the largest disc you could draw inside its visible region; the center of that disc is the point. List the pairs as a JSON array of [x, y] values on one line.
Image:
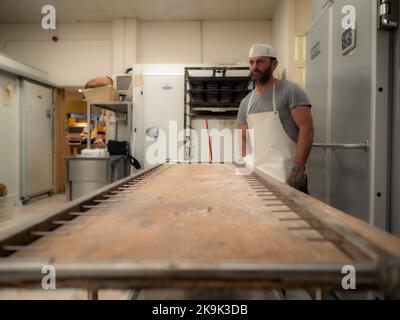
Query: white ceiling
[[29, 11]]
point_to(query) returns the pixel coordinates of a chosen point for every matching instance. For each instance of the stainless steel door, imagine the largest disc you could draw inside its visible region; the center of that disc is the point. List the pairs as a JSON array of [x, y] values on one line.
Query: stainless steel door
[[350, 102], [351, 111], [36, 139], [395, 133], [317, 87]]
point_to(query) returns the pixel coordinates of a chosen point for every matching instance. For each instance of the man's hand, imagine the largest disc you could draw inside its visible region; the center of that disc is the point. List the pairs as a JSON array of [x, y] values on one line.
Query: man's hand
[[298, 178]]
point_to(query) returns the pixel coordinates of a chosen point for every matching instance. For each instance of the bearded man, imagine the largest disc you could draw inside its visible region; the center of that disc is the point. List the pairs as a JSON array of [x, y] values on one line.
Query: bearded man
[[279, 112]]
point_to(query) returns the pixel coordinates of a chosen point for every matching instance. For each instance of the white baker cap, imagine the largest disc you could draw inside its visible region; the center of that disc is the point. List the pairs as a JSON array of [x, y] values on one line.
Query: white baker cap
[[262, 50]]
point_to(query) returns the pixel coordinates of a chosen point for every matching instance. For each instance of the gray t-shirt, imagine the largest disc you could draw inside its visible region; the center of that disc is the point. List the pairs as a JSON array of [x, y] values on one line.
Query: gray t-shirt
[[287, 94]]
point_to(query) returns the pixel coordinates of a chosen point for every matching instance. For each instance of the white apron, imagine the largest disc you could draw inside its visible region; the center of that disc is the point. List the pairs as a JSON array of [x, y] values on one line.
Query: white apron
[[271, 147]]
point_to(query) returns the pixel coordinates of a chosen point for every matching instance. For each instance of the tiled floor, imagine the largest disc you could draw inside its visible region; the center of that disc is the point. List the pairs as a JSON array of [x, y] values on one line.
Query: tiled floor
[[26, 213]]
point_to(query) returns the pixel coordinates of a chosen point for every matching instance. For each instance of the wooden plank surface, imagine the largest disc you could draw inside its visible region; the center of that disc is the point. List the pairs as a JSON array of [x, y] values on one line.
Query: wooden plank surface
[[194, 213]]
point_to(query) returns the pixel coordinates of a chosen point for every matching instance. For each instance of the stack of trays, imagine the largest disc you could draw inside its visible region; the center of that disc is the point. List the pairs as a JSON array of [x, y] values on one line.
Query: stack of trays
[[228, 85], [197, 96], [212, 96], [218, 92], [241, 85], [241, 95], [197, 85], [227, 96], [212, 85]]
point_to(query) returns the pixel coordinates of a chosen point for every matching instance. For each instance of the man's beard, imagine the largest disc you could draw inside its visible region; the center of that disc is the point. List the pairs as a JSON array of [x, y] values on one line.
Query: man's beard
[[263, 77]]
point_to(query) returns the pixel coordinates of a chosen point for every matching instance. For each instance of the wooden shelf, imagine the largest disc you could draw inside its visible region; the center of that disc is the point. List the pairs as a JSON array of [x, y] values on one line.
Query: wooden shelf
[[116, 106]]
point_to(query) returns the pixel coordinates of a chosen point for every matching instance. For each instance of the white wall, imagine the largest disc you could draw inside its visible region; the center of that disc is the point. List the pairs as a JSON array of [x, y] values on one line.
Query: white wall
[[208, 42], [83, 51], [282, 29], [87, 50], [169, 42], [303, 16], [124, 40], [67, 63], [230, 41], [292, 18]]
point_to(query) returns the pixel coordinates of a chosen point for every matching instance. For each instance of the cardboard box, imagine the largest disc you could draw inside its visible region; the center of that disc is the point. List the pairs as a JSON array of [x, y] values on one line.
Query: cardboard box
[[106, 93]]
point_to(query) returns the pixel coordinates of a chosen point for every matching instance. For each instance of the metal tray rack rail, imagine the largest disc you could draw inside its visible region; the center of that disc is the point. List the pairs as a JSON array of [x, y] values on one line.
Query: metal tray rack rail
[[373, 253], [212, 97]]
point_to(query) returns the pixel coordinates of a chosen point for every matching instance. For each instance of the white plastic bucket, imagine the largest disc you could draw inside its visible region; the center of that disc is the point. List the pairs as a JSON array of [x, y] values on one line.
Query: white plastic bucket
[[7, 207]]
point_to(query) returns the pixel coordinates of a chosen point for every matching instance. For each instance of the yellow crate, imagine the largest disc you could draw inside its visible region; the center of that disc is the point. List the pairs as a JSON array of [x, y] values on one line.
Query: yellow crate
[[106, 93]]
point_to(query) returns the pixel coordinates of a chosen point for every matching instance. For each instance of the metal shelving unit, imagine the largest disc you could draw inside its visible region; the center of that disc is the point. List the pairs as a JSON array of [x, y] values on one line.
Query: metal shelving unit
[[215, 96], [118, 107]]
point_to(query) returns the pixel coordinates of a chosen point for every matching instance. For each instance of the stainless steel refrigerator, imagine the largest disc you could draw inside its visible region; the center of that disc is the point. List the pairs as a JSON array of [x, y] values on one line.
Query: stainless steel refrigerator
[[349, 78]]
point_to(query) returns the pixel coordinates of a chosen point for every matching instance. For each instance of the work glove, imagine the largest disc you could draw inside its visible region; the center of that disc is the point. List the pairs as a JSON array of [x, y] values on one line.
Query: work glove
[[249, 160], [298, 178]]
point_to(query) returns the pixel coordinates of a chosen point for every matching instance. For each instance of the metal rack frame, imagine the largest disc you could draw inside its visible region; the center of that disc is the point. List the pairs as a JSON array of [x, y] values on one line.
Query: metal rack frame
[[218, 112], [115, 106], [376, 268]]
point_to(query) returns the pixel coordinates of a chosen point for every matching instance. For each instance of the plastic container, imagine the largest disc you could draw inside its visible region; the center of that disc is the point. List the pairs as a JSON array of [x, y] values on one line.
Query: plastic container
[[95, 153], [7, 204], [106, 93]]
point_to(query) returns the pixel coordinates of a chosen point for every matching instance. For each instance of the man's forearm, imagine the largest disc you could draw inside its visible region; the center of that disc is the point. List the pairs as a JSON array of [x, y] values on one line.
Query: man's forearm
[[304, 145]]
